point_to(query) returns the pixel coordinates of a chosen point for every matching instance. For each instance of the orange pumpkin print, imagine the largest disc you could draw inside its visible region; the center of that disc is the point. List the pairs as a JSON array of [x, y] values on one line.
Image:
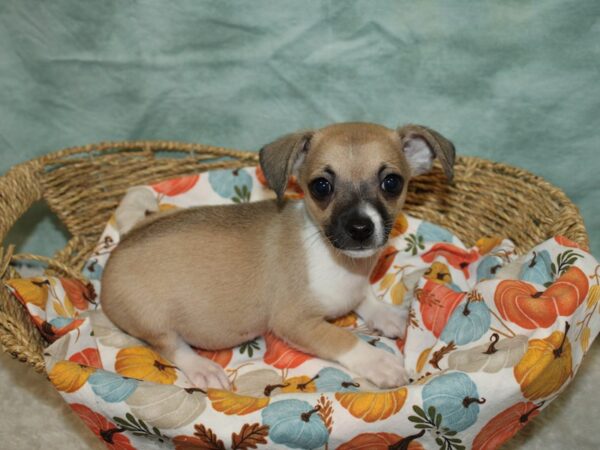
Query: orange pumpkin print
[[145, 364], [372, 406], [107, 431], [69, 376], [292, 183], [380, 441], [80, 295], [88, 357], [505, 425], [546, 365], [436, 303], [400, 226], [383, 264], [521, 303], [233, 404], [221, 357], [455, 256], [566, 242], [281, 355], [176, 186]]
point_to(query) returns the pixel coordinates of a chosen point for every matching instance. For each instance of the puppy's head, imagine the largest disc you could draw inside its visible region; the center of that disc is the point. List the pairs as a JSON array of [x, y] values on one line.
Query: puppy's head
[[355, 176]]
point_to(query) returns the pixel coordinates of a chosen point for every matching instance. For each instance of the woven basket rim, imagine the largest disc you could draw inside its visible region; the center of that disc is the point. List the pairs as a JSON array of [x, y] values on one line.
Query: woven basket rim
[[20, 187]]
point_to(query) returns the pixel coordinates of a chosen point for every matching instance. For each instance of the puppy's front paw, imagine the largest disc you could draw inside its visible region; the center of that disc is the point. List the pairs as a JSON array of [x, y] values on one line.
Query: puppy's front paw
[[388, 319], [204, 374], [378, 366]]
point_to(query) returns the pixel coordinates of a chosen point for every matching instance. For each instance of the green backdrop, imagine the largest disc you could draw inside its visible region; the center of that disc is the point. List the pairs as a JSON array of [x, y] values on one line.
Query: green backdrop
[[513, 81]]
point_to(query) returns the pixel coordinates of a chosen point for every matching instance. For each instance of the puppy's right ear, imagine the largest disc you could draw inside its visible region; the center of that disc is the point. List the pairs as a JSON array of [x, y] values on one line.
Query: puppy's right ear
[[282, 157]]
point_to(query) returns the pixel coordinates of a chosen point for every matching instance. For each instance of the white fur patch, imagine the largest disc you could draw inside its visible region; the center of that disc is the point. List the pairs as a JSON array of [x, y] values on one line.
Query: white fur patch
[[419, 155], [338, 290]]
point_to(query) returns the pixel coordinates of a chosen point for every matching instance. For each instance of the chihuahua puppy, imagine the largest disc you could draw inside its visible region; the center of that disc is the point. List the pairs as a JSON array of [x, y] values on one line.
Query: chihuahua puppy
[[216, 276]]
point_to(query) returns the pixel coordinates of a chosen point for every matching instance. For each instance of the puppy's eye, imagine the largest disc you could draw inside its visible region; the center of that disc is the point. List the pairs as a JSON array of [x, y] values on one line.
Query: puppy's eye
[[392, 184], [321, 188]]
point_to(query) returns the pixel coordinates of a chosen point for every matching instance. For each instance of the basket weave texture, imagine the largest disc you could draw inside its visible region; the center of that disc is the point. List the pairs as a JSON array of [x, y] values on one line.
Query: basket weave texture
[[83, 185]]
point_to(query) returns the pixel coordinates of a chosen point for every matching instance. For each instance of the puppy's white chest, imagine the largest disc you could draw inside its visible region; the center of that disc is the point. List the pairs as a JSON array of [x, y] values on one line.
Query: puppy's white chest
[[338, 290]]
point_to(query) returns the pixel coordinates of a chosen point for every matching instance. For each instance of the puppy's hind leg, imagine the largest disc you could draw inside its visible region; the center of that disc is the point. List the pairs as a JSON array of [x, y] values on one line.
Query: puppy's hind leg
[[201, 372]]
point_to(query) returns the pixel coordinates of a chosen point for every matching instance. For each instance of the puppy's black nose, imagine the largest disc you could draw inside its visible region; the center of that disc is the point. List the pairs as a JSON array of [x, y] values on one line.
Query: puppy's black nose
[[360, 228]]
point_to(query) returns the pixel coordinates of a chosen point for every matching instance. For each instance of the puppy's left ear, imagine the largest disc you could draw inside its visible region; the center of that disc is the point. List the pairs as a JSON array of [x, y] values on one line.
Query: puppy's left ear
[[421, 145], [282, 157]]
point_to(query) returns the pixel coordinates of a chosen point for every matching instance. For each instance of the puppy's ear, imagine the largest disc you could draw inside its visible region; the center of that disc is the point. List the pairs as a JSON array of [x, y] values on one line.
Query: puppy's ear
[[282, 157], [421, 145]]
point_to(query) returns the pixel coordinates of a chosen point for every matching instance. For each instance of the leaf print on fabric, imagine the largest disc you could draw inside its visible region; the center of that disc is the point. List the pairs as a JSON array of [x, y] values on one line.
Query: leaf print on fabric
[[454, 396], [249, 347], [414, 244], [230, 403], [110, 433], [111, 387], [546, 365], [203, 439], [138, 427], [505, 425], [250, 436], [492, 357], [295, 423], [431, 421], [523, 304], [281, 355], [145, 364], [165, 406], [372, 406], [176, 186]]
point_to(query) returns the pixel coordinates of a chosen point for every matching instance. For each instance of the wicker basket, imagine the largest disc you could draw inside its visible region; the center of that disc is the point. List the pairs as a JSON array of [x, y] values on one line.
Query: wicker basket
[[83, 185]]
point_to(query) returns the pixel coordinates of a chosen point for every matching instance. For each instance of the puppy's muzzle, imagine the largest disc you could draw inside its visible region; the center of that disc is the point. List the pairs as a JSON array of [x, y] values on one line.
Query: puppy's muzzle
[[359, 228]]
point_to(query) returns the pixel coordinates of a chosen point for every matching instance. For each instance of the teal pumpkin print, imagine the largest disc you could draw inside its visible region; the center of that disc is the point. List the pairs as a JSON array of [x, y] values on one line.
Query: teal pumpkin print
[[538, 268], [295, 423], [432, 233], [467, 323], [375, 341], [487, 268], [331, 379], [92, 270], [235, 185], [111, 387], [454, 396]]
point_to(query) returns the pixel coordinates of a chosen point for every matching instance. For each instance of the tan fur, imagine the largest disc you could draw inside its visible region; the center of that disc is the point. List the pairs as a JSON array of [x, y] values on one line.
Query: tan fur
[[217, 276]]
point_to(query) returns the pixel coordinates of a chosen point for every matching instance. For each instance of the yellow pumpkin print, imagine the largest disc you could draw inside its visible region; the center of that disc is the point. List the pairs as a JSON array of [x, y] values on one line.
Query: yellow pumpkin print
[[31, 290], [487, 244], [300, 383], [145, 364], [68, 376], [439, 273], [400, 225], [233, 404], [546, 365], [349, 320], [372, 406]]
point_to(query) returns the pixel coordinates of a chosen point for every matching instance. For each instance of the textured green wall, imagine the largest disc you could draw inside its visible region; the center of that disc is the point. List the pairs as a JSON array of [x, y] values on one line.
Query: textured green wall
[[513, 81]]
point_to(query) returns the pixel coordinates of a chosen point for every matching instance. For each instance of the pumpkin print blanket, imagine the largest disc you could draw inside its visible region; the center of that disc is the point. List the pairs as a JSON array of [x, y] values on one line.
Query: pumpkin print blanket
[[485, 355]]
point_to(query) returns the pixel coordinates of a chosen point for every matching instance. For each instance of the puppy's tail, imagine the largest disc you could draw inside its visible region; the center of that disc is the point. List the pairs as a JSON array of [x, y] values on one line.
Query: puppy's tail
[[138, 203]]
